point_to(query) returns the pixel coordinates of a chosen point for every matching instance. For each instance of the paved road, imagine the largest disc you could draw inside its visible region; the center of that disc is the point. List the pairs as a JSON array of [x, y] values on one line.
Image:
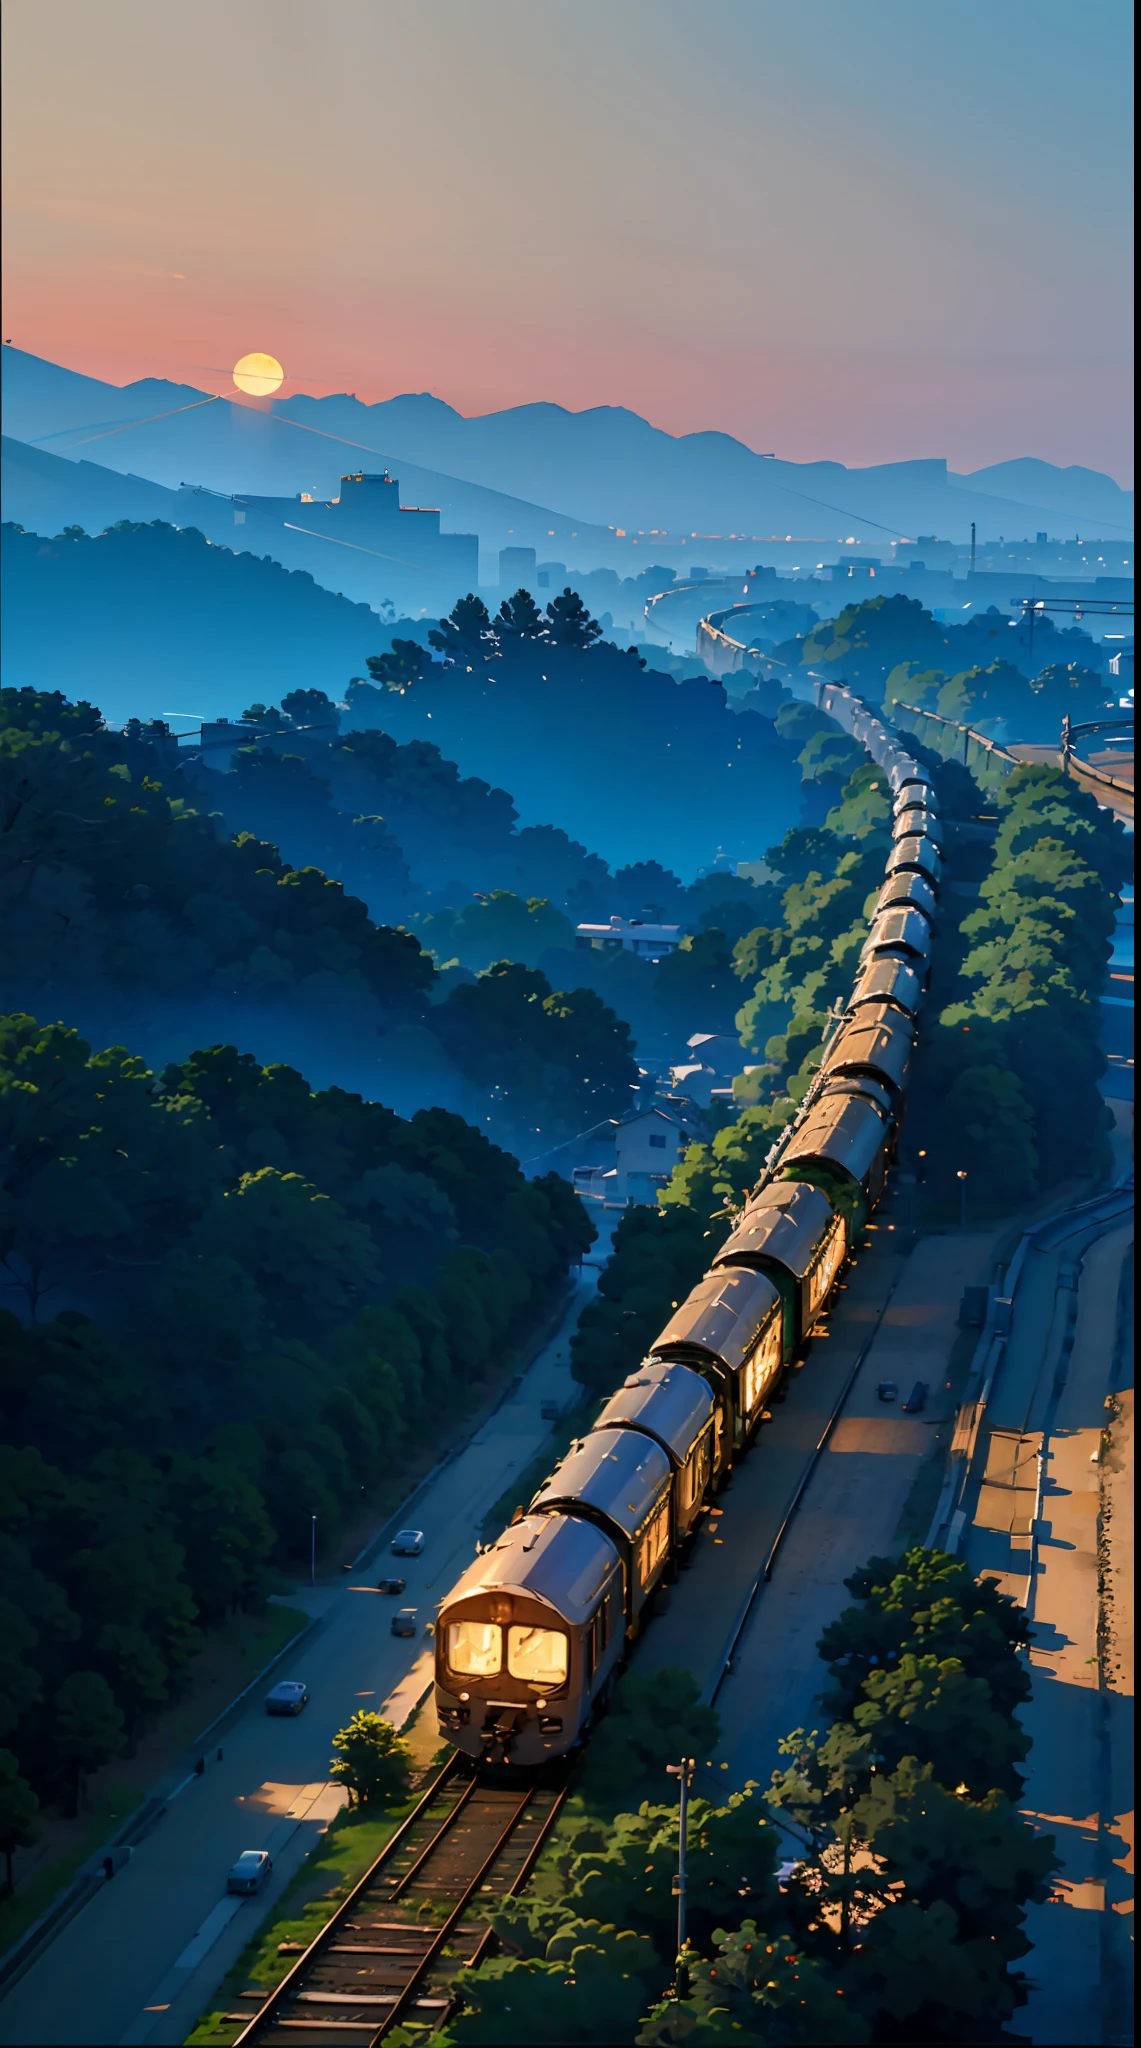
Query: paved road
[[113, 1974], [1069, 1349]]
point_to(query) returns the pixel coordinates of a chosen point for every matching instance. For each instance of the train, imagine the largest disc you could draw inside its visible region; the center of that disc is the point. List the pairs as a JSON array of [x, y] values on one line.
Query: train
[[529, 1641]]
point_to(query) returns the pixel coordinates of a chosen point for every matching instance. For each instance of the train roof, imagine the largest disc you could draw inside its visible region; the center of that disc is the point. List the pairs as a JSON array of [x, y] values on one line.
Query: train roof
[[560, 1559], [913, 795], [888, 978], [618, 1473], [842, 1129], [914, 821], [785, 1222], [906, 887], [861, 1084], [671, 1403], [903, 929], [915, 852], [878, 1037], [907, 771], [722, 1316]]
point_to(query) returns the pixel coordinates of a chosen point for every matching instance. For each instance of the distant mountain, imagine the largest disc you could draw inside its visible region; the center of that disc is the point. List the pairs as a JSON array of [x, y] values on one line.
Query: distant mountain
[[1092, 500], [182, 436], [604, 468]]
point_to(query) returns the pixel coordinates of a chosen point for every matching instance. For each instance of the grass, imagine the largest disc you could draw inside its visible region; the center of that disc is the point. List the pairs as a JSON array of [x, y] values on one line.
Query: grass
[[232, 1655], [352, 1842]]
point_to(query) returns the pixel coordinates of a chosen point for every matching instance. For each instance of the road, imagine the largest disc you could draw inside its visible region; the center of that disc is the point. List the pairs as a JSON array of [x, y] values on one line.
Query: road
[[900, 1308], [140, 1962]]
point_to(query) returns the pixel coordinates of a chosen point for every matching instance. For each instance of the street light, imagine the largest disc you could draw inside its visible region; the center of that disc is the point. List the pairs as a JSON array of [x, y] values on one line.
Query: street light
[[683, 1772], [961, 1177], [312, 1550]]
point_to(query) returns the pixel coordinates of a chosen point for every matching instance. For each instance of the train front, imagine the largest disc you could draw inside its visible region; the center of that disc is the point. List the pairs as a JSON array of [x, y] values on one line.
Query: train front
[[517, 1639]]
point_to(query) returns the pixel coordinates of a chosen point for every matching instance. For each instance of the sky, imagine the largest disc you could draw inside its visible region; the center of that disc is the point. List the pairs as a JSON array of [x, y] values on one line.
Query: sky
[[859, 229]]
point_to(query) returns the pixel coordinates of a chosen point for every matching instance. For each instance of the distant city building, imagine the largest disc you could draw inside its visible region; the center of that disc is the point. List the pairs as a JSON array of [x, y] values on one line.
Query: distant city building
[[516, 568], [629, 935], [551, 575], [415, 563]]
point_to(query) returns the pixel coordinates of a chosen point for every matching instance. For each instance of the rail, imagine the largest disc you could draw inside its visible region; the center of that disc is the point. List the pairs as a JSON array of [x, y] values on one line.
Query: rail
[[393, 1946]]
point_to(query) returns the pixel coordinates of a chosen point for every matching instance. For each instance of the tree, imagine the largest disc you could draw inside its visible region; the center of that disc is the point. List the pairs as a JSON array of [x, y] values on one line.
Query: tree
[[757, 1990], [569, 624], [373, 1762], [519, 618], [88, 1726], [592, 1985], [18, 1809], [465, 636], [652, 1722], [311, 708], [404, 664]]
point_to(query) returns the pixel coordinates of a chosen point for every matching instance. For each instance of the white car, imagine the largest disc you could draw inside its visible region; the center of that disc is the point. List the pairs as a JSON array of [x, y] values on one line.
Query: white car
[[408, 1543], [251, 1871]]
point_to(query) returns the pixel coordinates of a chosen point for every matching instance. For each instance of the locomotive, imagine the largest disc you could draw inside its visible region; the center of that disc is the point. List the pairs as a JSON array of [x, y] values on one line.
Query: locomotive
[[530, 1640]]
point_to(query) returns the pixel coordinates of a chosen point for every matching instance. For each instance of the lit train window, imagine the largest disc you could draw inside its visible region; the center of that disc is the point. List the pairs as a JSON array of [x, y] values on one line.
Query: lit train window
[[696, 1472], [761, 1367], [825, 1272], [654, 1544], [475, 1648], [539, 1654]]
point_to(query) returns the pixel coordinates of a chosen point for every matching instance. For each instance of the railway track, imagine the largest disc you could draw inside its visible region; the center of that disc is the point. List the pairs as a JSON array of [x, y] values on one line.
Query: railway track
[[391, 1950]]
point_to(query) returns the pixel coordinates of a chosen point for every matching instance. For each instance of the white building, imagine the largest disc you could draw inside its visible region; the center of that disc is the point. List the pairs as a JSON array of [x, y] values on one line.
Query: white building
[[630, 935], [647, 1147]]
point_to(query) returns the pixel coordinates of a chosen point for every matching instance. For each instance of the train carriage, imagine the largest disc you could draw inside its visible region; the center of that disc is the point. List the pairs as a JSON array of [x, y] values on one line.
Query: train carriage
[[790, 1231], [907, 889], [901, 930], [529, 1638], [729, 1329], [912, 795], [877, 1041], [915, 822], [676, 1408], [921, 854], [889, 978], [849, 1132], [622, 1481]]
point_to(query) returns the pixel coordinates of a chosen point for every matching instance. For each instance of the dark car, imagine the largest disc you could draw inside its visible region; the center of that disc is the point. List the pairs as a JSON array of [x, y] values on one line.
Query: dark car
[[550, 1410], [390, 1586], [408, 1543], [251, 1871], [917, 1398], [404, 1622], [288, 1697], [887, 1390]]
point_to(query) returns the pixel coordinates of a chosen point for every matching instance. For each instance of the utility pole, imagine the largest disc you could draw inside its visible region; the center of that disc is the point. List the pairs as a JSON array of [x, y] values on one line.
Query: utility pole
[[683, 1772], [961, 1177], [312, 1550], [972, 547]]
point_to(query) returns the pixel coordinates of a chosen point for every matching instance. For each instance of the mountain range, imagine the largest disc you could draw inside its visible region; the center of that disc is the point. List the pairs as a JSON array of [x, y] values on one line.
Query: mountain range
[[617, 481]]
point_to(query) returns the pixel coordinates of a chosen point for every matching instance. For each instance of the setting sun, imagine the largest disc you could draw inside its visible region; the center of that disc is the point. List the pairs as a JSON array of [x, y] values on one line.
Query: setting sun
[[259, 375]]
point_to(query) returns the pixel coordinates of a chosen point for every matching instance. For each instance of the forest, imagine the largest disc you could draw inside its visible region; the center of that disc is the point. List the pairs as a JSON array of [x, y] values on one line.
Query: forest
[[235, 1302]]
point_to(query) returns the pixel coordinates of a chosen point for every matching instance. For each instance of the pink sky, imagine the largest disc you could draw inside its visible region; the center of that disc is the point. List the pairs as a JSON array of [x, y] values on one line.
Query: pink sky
[[864, 234]]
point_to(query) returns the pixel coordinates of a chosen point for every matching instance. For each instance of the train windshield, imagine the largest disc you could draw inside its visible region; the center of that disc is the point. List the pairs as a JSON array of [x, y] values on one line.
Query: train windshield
[[475, 1648], [539, 1654]]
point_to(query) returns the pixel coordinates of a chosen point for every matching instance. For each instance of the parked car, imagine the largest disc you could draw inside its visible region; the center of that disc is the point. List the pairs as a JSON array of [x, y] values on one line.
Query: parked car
[[550, 1410], [290, 1696], [917, 1398], [886, 1390], [404, 1621], [390, 1586], [251, 1871], [408, 1543]]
